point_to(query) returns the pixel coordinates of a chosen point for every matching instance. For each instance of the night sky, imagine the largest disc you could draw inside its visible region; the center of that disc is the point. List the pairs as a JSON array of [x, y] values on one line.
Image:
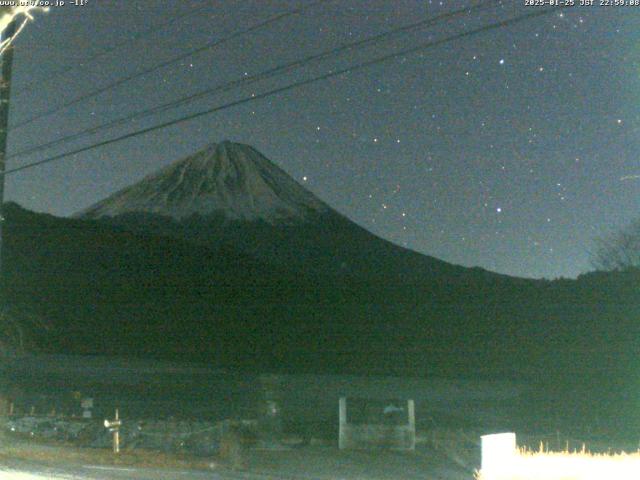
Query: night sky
[[511, 150]]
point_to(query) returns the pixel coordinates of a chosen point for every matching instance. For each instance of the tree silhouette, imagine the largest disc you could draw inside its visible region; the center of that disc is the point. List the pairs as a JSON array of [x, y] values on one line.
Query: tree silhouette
[[618, 251]]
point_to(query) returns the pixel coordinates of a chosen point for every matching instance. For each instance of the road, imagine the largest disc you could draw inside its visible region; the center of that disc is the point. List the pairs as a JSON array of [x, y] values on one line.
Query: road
[[310, 463], [22, 470]]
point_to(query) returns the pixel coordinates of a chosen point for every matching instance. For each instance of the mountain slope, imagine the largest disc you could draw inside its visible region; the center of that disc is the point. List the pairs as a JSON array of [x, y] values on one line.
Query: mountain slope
[[108, 290], [298, 287], [229, 194], [222, 258]]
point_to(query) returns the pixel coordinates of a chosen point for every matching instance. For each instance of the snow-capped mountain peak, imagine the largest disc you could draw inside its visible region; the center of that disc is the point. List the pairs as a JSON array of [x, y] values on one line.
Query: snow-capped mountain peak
[[227, 178]]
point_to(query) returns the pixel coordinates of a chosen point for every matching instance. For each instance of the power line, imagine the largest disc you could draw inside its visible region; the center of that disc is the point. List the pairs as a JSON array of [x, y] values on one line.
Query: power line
[[359, 66], [190, 53], [260, 76], [38, 83]]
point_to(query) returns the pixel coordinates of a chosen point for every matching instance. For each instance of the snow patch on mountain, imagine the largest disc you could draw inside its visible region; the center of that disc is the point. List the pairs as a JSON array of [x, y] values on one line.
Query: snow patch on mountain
[[227, 178]]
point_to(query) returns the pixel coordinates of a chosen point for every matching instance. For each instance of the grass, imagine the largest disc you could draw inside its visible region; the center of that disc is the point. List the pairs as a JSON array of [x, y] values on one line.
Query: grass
[[13, 447]]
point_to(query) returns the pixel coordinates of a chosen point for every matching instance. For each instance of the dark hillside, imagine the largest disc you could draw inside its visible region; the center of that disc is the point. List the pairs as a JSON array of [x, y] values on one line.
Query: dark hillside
[[110, 291]]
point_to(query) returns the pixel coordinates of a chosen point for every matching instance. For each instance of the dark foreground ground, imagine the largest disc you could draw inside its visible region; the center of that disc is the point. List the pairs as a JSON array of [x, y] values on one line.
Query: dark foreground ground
[[441, 454], [451, 416], [24, 461]]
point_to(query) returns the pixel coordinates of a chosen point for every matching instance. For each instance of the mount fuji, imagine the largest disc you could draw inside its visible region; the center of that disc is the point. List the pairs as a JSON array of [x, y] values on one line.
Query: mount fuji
[[229, 194], [224, 258], [227, 179]]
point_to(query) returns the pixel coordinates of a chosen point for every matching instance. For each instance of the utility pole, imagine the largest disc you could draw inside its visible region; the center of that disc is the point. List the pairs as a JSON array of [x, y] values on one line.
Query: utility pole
[[5, 95]]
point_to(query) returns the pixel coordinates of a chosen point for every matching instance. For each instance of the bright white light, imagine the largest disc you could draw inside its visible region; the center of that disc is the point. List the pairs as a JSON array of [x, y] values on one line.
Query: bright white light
[[498, 454], [8, 14], [502, 461], [568, 466]]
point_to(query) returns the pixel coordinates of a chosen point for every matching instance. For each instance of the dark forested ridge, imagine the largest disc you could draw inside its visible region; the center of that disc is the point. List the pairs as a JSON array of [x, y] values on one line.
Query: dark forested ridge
[[110, 290]]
